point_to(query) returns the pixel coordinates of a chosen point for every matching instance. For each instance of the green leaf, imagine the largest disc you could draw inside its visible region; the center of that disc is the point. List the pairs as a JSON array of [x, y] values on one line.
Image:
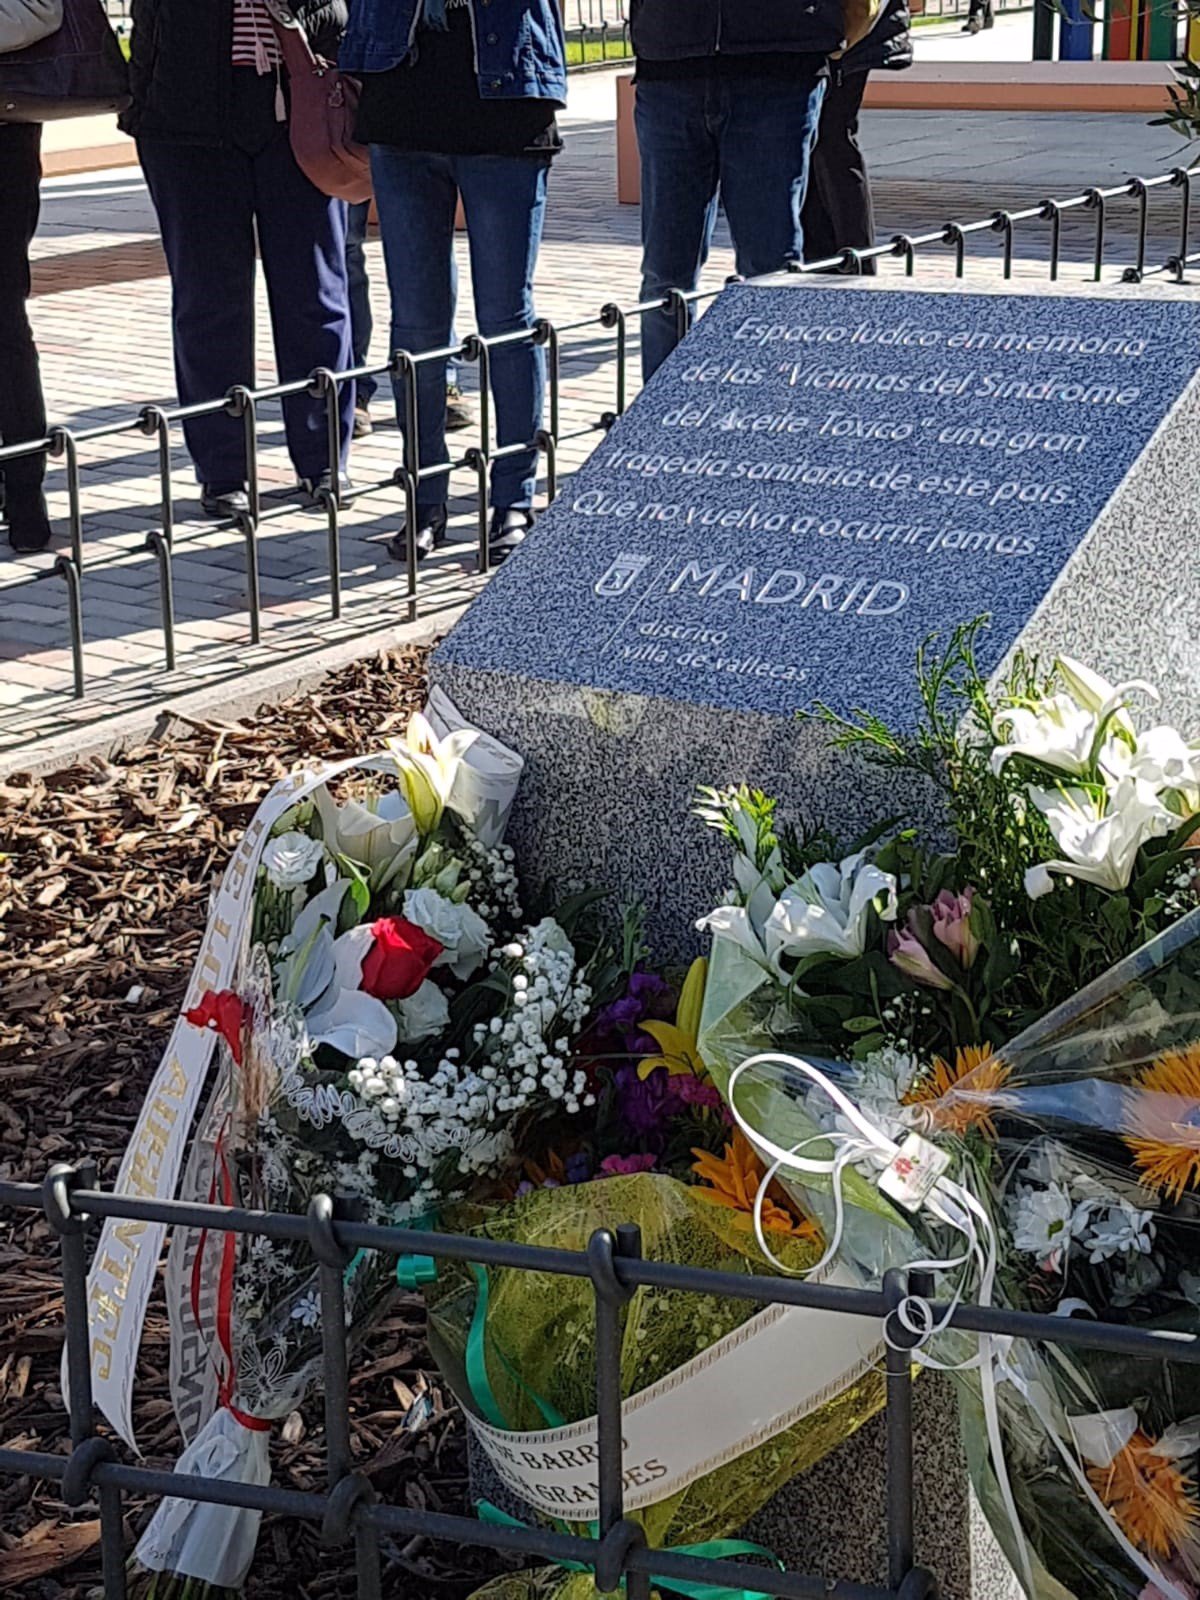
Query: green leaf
[[861, 1024]]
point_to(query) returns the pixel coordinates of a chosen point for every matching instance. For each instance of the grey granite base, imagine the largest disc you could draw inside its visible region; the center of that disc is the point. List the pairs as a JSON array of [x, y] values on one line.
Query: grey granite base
[[831, 1522], [610, 784]]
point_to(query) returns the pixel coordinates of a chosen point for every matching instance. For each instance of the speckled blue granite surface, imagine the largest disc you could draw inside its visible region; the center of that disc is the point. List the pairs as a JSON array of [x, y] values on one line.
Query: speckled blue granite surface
[[814, 482]]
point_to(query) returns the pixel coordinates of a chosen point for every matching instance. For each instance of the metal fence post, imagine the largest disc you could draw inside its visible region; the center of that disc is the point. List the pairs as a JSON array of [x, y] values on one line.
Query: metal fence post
[[617, 1535], [347, 1488], [88, 1450]]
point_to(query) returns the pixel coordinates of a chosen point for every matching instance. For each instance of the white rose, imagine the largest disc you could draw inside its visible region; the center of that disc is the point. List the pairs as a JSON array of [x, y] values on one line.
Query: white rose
[[291, 860], [423, 1015], [462, 933]]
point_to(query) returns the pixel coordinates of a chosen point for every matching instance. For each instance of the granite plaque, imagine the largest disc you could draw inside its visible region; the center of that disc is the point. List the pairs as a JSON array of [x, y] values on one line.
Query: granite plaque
[[815, 481]]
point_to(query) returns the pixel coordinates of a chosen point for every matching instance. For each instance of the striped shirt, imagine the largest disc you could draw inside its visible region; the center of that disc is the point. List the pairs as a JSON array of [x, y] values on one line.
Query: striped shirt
[[254, 41]]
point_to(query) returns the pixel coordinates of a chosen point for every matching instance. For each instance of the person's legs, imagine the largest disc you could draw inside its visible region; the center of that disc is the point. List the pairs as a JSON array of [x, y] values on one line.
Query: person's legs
[[416, 196], [302, 236], [204, 202], [22, 408], [767, 135], [837, 211], [504, 198], [678, 148], [361, 321]]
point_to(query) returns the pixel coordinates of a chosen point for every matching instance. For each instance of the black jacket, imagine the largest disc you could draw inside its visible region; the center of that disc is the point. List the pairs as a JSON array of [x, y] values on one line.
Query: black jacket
[[679, 30], [180, 67], [888, 45]]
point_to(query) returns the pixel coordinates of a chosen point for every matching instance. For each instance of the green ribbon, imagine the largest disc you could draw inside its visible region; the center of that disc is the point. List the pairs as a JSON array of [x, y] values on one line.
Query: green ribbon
[[476, 1364], [711, 1549], [413, 1271]]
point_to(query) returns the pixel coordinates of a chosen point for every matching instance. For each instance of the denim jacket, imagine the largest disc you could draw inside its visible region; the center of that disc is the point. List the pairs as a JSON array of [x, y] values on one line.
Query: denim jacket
[[520, 53]]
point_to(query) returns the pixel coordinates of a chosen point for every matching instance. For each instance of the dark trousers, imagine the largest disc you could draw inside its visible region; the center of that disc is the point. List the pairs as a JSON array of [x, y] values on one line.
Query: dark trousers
[[22, 408], [745, 141], [837, 209], [211, 203]]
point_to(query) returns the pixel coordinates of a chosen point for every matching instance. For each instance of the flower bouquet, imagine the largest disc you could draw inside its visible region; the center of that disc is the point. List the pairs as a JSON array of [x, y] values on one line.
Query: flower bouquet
[[913, 1020], [717, 1412], [392, 1015]]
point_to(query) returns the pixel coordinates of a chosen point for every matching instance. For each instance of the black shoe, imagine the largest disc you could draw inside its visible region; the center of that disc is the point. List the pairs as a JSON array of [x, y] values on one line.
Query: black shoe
[[231, 503], [508, 530], [431, 535], [973, 24], [459, 415], [314, 490], [27, 518]]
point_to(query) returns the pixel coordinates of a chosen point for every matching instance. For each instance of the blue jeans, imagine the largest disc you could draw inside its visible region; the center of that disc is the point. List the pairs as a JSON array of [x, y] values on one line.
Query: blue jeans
[[504, 198], [362, 323], [361, 317], [746, 140]]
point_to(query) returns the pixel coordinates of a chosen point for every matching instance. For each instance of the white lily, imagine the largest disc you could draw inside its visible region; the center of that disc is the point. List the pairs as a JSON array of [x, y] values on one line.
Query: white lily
[[466, 769], [827, 910], [305, 968], [1100, 836], [756, 892], [1097, 695], [1057, 732], [461, 931], [732, 923], [381, 838], [1166, 760], [345, 1016]]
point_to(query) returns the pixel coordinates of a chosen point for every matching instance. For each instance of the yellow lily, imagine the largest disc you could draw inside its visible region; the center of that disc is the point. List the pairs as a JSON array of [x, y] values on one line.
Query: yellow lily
[[678, 1042]]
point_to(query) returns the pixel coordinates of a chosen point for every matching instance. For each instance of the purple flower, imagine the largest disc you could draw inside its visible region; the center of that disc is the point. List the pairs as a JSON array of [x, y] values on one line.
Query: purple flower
[[648, 987], [579, 1167], [646, 995], [626, 1166], [645, 1105]]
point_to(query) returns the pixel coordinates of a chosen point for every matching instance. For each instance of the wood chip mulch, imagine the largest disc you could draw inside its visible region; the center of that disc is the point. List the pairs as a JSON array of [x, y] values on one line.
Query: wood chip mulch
[[106, 869]]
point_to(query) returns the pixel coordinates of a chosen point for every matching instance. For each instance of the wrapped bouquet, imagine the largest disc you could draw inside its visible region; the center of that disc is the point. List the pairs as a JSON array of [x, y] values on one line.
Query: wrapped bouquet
[[391, 1014], [717, 1413], [1003, 1039]]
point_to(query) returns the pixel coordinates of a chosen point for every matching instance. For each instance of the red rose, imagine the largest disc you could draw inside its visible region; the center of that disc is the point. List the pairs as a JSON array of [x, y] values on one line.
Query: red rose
[[400, 959], [223, 1012]]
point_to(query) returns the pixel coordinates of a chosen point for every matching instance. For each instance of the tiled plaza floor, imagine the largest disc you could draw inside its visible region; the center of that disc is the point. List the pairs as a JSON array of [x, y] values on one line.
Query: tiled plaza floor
[[101, 312]]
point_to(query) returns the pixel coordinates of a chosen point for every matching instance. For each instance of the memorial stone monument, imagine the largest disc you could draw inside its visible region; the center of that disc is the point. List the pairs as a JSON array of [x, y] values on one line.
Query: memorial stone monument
[[820, 477], [817, 480]]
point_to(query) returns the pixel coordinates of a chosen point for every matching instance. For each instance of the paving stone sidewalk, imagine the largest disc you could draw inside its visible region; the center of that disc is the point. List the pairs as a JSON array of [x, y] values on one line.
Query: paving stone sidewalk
[[102, 317]]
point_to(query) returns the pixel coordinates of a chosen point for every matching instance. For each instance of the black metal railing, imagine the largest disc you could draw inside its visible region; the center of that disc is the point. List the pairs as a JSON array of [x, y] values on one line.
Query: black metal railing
[[1039, 225], [349, 1512]]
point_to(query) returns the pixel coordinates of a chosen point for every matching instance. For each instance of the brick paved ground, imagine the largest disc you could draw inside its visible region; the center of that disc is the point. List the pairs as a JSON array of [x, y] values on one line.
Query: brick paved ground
[[101, 312]]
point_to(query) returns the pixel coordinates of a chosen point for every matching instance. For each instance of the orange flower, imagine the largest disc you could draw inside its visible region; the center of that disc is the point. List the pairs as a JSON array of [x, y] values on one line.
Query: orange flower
[[733, 1181], [1163, 1131], [1148, 1495], [959, 1097]]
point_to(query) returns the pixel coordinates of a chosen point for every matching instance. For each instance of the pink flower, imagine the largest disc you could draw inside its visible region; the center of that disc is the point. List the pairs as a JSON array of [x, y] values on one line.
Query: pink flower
[[952, 925], [625, 1166], [691, 1092], [909, 955]]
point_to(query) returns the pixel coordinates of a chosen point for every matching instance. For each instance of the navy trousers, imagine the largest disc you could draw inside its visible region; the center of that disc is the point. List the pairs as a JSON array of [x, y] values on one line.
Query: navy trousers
[[212, 204]]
